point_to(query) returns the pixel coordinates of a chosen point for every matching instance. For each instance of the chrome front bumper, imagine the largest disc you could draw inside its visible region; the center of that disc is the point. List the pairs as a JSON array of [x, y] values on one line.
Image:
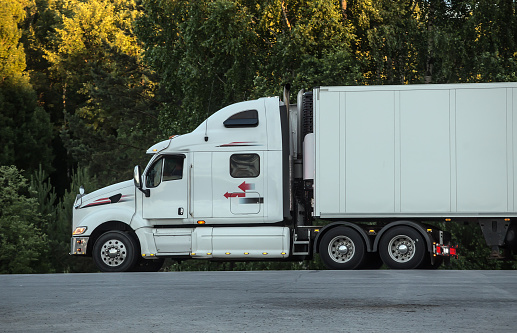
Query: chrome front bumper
[[78, 245]]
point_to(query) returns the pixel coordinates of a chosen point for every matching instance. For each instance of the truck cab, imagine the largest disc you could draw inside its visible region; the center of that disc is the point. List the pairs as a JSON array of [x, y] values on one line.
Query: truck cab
[[216, 192]]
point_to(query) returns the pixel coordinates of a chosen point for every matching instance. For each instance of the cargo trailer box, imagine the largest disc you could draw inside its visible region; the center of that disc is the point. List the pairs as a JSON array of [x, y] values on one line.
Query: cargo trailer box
[[415, 151]]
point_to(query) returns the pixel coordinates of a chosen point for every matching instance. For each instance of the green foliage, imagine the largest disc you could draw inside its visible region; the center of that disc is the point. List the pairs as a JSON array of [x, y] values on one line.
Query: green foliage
[[23, 245], [26, 131], [213, 53], [473, 251], [12, 55], [62, 227], [204, 51], [57, 217], [472, 40], [103, 97]]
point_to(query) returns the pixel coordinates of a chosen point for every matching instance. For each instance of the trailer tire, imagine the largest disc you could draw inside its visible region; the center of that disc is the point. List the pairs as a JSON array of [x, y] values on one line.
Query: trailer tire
[[342, 248], [402, 248], [115, 251]]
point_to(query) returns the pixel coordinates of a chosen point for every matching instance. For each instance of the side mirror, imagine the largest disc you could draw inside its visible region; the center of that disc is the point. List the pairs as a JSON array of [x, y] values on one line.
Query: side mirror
[[78, 203], [137, 177]]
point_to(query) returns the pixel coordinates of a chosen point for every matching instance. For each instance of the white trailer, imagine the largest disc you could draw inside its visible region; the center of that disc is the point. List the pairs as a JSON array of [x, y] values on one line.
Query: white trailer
[[381, 163]]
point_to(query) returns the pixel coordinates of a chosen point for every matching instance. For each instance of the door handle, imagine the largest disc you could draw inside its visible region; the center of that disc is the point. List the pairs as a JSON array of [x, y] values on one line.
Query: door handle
[[180, 211]]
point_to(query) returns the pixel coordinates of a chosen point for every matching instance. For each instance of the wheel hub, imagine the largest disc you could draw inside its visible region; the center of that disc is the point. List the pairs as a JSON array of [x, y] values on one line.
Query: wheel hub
[[113, 252], [401, 248], [341, 249]]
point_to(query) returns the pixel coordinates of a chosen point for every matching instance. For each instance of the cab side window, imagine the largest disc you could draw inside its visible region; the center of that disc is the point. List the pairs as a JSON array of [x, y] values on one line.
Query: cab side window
[[154, 175], [171, 167], [244, 165]]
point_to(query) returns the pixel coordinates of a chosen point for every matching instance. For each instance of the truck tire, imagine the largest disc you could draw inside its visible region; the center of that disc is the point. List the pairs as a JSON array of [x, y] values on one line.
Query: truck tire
[[115, 251], [342, 248], [402, 248]]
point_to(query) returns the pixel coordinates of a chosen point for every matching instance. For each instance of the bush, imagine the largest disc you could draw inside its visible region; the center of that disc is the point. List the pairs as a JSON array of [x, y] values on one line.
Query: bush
[[23, 246]]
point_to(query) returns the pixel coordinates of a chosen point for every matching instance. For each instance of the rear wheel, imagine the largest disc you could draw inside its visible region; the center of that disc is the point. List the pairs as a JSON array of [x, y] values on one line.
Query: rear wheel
[[402, 248], [342, 248], [115, 251]]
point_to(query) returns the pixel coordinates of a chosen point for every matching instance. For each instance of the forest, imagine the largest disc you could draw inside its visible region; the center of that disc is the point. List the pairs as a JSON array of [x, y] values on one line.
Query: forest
[[86, 86]]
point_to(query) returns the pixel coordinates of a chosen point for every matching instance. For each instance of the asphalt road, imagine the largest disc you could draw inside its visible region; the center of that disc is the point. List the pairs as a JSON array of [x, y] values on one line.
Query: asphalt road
[[267, 301]]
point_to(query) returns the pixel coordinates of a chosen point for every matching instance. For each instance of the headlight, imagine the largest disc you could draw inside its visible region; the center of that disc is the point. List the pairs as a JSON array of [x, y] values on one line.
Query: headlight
[[79, 231]]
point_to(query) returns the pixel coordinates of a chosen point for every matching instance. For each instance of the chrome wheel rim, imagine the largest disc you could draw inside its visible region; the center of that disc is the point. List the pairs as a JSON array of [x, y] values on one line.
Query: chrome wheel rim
[[113, 252], [401, 248], [341, 249]]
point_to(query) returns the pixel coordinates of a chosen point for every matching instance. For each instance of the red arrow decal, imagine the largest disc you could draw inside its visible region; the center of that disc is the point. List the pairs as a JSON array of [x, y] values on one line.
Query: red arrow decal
[[234, 195], [246, 187]]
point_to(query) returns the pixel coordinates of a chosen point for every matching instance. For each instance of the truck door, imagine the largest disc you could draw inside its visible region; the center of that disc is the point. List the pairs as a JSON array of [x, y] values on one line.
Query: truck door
[[167, 181], [239, 185]]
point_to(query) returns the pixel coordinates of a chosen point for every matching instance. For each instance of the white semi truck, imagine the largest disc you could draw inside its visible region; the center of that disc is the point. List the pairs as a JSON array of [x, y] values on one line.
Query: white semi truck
[[376, 164]]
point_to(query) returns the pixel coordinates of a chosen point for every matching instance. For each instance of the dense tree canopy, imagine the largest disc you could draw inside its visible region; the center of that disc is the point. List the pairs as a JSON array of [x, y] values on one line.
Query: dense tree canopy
[[26, 131], [23, 245], [87, 85]]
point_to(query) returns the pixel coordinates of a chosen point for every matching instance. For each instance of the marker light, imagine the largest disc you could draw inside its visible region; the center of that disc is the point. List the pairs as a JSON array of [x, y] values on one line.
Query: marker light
[[507, 220], [155, 149], [283, 253], [209, 253], [227, 253], [448, 220], [79, 231], [246, 253], [264, 253], [201, 222]]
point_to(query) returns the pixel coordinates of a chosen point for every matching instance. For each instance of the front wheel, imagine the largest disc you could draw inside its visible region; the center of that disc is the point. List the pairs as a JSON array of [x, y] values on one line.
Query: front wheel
[[402, 248], [115, 251], [342, 248]]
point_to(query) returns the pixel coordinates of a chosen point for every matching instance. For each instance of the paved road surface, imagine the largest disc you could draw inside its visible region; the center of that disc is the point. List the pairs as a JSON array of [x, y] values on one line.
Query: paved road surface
[[268, 301]]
